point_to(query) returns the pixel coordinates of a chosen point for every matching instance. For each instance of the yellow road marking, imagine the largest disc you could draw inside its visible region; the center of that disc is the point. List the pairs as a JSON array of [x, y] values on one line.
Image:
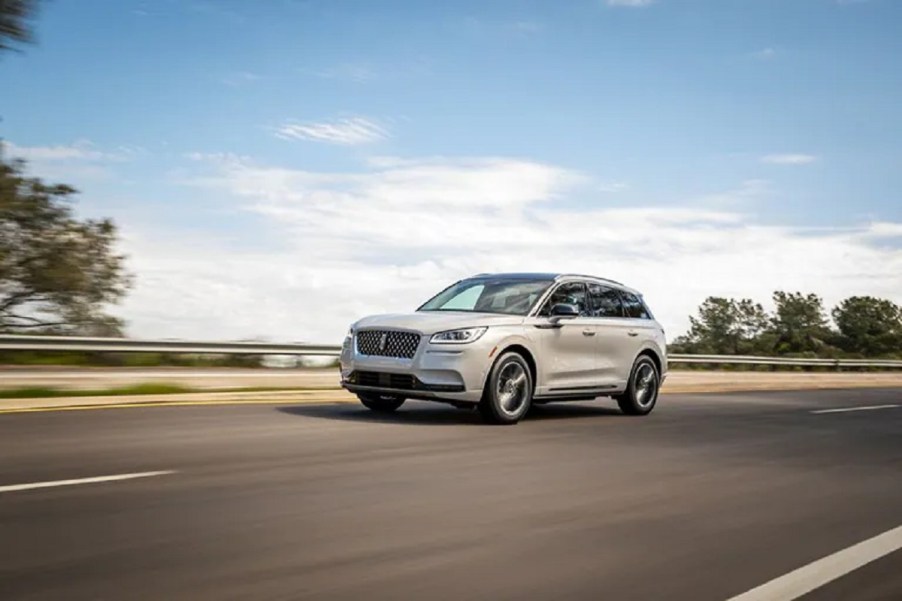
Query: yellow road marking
[[138, 405]]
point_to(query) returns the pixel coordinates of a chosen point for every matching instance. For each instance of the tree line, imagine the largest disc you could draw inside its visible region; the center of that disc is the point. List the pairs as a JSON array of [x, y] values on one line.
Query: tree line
[[861, 326]]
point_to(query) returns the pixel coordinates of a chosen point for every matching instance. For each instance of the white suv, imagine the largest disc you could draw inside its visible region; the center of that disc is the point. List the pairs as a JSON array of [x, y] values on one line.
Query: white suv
[[502, 342]]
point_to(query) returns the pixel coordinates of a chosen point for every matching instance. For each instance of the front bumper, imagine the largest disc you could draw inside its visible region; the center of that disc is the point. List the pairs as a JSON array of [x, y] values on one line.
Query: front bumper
[[444, 372]]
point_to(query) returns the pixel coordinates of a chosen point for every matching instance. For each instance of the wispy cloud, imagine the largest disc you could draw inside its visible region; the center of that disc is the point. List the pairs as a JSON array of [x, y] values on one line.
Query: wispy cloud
[[350, 131], [789, 159], [630, 3], [80, 150], [765, 54], [353, 72], [526, 27], [239, 78], [737, 197], [81, 159], [612, 187]]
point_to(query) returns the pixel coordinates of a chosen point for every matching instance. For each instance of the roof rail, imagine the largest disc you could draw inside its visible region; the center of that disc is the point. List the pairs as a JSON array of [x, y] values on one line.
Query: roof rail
[[591, 277]]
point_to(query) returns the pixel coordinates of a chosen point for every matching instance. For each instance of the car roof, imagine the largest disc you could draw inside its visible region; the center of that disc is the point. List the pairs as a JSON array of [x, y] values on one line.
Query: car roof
[[550, 277], [516, 276]]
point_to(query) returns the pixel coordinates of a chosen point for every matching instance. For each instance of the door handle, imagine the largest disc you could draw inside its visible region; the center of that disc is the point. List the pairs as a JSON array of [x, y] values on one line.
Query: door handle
[[632, 333], [588, 332]]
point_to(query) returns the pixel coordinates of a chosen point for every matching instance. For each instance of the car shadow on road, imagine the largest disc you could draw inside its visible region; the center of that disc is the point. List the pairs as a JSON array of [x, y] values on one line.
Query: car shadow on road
[[433, 414]]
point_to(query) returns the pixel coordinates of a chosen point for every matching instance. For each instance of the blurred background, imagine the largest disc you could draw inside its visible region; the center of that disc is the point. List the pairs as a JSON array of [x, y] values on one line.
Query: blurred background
[[276, 169]]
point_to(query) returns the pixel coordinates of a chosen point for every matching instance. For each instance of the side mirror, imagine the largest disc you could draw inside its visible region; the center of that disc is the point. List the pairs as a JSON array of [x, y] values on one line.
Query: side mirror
[[563, 311]]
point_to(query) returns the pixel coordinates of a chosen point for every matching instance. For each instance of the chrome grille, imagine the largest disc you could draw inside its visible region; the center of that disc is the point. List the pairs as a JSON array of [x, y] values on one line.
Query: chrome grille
[[386, 343]]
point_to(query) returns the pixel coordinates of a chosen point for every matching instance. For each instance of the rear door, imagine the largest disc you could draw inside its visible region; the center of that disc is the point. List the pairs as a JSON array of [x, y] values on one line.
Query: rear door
[[641, 328], [568, 355], [615, 346]]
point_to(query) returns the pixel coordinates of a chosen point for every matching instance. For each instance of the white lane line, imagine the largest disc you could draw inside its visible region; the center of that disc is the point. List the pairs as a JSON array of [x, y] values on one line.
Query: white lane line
[[807, 578], [94, 480], [862, 408]]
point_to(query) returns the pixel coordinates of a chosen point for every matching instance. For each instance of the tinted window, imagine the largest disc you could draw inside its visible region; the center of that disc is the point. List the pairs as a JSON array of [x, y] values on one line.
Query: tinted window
[[571, 293], [604, 301], [633, 306]]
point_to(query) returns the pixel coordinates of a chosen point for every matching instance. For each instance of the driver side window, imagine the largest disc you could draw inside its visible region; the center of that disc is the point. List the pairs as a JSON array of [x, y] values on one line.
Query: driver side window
[[571, 293]]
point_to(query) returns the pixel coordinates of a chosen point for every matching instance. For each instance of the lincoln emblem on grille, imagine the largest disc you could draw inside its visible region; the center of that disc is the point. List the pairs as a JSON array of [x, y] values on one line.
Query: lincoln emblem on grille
[[382, 341]]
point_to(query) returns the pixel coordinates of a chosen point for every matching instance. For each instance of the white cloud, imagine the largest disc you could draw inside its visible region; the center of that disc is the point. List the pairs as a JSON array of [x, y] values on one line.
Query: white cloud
[[80, 159], [335, 246], [882, 229], [81, 150], [789, 159], [630, 3], [765, 53], [349, 131]]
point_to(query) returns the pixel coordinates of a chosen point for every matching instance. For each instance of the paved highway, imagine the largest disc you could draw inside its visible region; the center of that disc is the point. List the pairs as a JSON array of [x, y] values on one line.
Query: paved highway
[[708, 498]]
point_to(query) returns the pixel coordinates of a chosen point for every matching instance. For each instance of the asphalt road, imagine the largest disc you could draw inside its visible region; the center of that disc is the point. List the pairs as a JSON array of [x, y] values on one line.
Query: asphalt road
[[688, 381], [710, 496]]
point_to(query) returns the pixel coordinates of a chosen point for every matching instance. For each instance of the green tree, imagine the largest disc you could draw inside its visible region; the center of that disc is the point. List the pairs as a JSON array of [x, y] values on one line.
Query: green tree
[[869, 326], [725, 326], [799, 324], [15, 26], [57, 273]]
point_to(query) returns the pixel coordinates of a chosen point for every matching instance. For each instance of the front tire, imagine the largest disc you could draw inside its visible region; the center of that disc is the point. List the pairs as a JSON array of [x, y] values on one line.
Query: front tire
[[642, 393], [508, 391], [381, 403]]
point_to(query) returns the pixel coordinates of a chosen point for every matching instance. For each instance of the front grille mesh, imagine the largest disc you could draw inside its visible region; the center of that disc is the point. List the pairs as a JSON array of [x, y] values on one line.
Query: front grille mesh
[[386, 343]]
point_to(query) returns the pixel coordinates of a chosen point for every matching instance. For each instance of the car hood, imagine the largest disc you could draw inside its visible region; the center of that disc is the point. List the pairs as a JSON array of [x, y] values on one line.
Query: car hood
[[430, 322]]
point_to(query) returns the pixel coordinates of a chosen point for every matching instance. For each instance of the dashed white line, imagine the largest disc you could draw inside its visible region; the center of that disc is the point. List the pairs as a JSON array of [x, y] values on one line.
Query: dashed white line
[[816, 574], [92, 480], [861, 408]]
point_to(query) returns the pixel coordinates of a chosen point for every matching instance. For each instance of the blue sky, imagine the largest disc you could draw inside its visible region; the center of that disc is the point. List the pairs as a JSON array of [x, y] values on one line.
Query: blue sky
[[718, 147]]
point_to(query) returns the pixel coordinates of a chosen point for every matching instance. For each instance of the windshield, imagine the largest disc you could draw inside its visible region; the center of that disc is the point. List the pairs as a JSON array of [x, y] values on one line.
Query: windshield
[[485, 295]]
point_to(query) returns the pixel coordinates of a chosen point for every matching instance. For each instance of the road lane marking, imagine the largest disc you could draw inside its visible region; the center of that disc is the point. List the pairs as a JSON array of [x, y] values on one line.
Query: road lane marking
[[93, 480], [818, 573], [862, 408]]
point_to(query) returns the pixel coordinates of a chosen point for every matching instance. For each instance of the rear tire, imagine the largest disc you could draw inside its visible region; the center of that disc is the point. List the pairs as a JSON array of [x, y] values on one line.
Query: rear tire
[[642, 393], [381, 403], [508, 390]]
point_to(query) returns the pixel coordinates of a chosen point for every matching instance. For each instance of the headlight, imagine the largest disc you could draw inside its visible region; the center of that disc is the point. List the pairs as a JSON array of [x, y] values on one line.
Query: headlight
[[349, 336], [463, 336]]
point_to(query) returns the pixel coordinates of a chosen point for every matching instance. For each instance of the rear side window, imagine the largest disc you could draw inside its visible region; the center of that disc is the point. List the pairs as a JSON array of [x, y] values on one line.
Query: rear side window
[[571, 293], [633, 306], [604, 301]]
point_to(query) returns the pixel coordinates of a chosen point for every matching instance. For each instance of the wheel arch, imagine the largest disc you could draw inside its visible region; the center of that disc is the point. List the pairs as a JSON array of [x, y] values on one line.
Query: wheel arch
[[523, 351], [654, 356]]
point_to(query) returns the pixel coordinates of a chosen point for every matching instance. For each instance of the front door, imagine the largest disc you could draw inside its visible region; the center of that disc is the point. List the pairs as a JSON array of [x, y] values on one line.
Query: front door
[[568, 348]]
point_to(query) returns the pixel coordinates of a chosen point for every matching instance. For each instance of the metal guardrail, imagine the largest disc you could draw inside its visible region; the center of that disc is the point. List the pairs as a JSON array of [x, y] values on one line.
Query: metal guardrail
[[11, 342], [799, 362]]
